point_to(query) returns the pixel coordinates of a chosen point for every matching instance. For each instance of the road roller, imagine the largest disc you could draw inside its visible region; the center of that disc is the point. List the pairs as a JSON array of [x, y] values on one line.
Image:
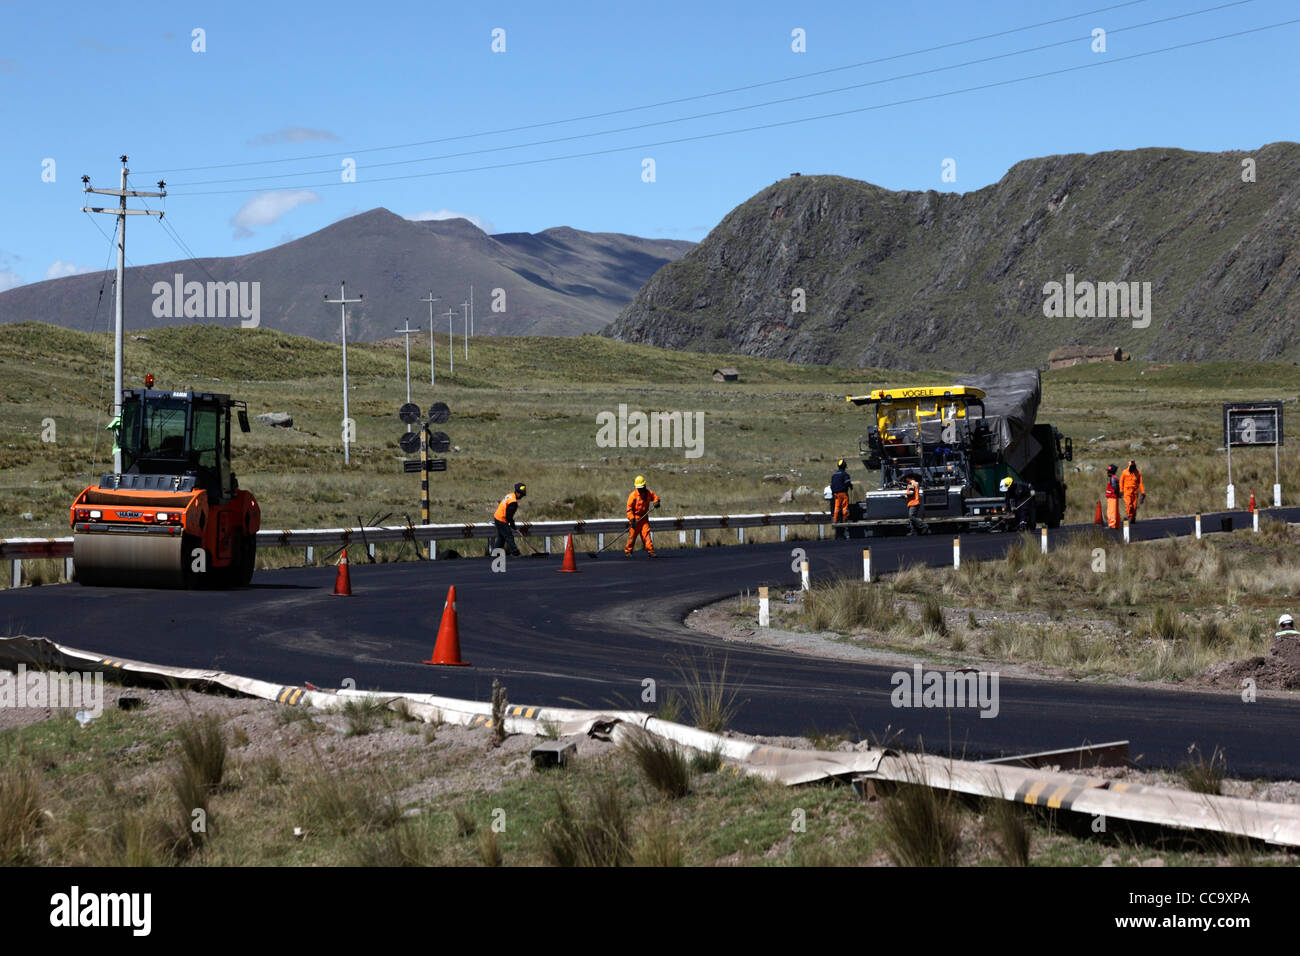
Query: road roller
[[175, 516]]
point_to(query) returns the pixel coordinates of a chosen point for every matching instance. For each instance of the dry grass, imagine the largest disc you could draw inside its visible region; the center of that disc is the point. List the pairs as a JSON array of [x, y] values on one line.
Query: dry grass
[[922, 824], [597, 834], [663, 764]]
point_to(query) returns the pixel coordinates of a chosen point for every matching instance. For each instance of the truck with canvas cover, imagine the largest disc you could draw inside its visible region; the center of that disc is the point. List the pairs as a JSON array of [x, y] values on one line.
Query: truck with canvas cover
[[959, 441], [175, 516]]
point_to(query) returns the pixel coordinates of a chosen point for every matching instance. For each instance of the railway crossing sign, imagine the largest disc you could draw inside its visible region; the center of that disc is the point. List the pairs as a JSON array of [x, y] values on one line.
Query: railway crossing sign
[[424, 441], [1250, 424]]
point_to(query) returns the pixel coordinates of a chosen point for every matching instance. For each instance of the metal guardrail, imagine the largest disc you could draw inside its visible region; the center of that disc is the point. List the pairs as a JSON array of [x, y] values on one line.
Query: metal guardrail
[[22, 549]]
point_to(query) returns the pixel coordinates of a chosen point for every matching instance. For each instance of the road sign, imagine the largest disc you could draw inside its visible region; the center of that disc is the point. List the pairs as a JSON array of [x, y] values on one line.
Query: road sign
[[411, 466], [410, 442], [409, 413], [437, 464], [439, 441], [438, 413], [1252, 423]]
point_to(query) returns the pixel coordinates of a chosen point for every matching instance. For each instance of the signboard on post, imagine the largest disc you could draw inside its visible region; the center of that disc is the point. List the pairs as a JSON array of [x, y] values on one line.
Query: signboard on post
[[424, 442], [1250, 424]]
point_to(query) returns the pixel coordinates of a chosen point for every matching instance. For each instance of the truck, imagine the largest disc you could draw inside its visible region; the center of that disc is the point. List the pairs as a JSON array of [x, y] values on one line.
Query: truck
[[175, 515], [959, 441]]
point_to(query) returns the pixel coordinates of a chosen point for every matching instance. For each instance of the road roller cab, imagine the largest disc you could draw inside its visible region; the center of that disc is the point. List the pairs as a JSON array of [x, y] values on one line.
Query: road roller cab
[[175, 516]]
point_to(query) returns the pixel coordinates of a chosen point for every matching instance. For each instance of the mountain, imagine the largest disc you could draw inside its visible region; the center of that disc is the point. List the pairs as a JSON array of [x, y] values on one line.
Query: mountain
[[560, 282], [962, 281]]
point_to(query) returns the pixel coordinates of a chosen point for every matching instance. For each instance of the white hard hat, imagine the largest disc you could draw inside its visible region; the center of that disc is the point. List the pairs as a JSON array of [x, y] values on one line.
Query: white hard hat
[[1006, 483], [827, 493], [1285, 621]]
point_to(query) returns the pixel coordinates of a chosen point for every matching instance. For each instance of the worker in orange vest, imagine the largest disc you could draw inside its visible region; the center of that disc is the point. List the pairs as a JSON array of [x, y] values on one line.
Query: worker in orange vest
[[639, 503], [915, 507], [1113, 497], [504, 519], [840, 487], [1131, 487]]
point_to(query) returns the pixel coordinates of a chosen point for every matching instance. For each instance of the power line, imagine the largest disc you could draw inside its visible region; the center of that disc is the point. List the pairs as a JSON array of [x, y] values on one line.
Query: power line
[[726, 111], [782, 123], [671, 102]]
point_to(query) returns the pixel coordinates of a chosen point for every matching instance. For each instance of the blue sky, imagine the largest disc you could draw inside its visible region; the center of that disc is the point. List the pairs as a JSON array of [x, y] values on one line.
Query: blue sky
[[82, 83]]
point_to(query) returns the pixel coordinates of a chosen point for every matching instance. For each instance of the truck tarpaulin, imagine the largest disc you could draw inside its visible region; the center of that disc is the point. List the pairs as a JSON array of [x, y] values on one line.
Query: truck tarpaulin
[[1010, 407]]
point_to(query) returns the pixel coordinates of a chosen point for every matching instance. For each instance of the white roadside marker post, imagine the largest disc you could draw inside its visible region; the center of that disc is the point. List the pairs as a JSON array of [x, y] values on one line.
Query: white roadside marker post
[[764, 612], [866, 565], [1044, 540], [803, 575], [1198, 527], [1254, 521], [1126, 539], [956, 552]]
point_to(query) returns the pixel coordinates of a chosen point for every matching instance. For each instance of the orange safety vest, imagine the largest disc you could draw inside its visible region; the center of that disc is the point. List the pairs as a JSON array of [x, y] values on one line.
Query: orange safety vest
[[913, 493], [638, 505], [505, 510]]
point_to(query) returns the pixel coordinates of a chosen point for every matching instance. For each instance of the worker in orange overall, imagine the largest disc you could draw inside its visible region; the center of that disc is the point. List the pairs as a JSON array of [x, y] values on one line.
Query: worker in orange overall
[[841, 485], [1135, 493], [639, 503], [1113, 497]]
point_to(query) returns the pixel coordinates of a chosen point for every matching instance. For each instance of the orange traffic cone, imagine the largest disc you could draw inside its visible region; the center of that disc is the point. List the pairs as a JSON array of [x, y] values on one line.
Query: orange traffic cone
[[447, 649], [1097, 520], [343, 583], [1252, 502], [569, 564]]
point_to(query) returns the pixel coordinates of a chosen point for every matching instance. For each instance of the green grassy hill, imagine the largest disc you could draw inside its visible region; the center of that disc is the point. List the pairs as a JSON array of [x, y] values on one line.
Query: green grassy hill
[[524, 409]]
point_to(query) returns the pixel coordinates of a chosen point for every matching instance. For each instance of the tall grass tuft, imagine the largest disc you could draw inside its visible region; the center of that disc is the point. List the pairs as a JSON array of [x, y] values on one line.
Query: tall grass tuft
[[845, 604], [1008, 825], [20, 811], [711, 701], [1202, 775], [922, 824], [597, 835], [661, 761]]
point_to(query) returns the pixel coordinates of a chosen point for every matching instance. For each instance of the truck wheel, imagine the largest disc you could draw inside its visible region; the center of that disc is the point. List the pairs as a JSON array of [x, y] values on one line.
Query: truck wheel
[[1055, 509], [246, 558]]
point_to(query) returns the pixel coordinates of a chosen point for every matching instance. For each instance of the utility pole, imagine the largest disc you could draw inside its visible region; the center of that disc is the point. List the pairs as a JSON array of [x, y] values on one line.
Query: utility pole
[[121, 212], [451, 344], [471, 310], [407, 330], [343, 302], [465, 306], [433, 378]]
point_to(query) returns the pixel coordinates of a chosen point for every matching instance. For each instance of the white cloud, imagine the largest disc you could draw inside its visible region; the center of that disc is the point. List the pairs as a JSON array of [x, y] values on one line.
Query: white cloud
[[264, 209], [58, 269], [292, 134], [9, 279], [429, 214]]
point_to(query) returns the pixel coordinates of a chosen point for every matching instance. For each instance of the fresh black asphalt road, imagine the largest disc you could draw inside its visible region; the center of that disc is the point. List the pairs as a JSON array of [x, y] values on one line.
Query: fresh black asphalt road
[[591, 639]]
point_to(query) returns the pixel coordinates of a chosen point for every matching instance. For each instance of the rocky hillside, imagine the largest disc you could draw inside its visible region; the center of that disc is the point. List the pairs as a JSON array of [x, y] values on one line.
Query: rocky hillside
[[560, 282], [927, 279]]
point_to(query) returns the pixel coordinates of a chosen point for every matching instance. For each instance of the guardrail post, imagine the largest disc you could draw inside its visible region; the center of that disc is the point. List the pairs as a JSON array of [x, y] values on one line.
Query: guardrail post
[[16, 574], [866, 565], [821, 531], [764, 618], [681, 539], [309, 555], [803, 575], [740, 535], [600, 542], [548, 544], [433, 550], [68, 569], [1198, 527], [1044, 540], [371, 549], [697, 537], [956, 552]]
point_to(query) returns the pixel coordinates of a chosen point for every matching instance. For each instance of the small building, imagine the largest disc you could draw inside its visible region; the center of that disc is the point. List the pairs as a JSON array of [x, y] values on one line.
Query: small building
[[726, 375], [1082, 354]]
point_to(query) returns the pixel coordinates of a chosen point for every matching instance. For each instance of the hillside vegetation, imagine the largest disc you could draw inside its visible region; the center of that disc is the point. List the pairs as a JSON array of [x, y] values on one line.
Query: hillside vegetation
[[525, 409]]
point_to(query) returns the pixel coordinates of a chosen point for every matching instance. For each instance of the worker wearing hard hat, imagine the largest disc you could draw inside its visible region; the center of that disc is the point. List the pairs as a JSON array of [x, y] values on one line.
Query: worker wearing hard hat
[[1113, 497], [639, 503], [1286, 628], [841, 484], [1131, 487], [1020, 503], [504, 519]]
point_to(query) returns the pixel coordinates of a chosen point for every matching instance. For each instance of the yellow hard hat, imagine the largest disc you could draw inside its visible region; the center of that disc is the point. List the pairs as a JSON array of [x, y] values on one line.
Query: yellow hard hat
[[640, 481], [1006, 483]]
